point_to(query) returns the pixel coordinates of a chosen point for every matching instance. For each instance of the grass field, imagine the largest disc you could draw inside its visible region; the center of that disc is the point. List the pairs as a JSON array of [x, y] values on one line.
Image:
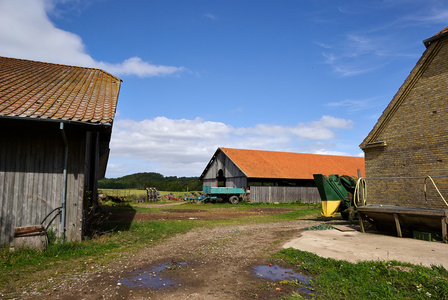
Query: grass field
[[131, 194]]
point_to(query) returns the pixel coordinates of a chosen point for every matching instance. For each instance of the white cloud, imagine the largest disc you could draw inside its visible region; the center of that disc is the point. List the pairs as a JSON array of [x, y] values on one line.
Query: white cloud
[[359, 54], [352, 105], [27, 32], [184, 147], [433, 14], [368, 49], [136, 66], [210, 16], [328, 152]]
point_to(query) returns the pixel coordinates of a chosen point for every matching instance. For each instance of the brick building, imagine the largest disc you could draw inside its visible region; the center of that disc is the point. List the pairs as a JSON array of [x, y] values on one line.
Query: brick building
[[409, 141], [406, 151]]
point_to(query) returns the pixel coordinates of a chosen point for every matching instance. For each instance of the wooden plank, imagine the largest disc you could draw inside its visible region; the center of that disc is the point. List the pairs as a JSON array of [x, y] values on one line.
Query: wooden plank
[[403, 210], [444, 229], [4, 216], [15, 177], [361, 222], [9, 192], [284, 194], [37, 217], [397, 225]]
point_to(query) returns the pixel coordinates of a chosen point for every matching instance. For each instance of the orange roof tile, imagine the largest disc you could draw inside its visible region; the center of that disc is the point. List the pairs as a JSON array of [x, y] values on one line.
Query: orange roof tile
[[42, 90], [288, 165], [442, 31]]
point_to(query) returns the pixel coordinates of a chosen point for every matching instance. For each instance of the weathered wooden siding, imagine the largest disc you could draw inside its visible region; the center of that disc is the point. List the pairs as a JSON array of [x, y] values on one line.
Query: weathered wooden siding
[[75, 189], [234, 176], [31, 164], [284, 194]]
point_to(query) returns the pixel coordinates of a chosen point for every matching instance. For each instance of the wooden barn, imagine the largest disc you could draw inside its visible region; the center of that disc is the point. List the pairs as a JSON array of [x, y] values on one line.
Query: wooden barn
[[272, 176], [406, 151], [56, 124]]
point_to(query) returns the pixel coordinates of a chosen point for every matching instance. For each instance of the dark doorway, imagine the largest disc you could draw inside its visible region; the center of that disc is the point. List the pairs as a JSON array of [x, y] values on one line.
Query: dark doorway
[[220, 179]]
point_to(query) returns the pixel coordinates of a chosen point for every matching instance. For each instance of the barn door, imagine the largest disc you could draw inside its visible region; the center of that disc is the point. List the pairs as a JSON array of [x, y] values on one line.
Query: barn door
[[220, 179]]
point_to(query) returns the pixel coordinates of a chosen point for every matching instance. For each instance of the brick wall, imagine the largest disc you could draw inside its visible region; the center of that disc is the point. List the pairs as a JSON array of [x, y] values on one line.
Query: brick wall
[[414, 128]]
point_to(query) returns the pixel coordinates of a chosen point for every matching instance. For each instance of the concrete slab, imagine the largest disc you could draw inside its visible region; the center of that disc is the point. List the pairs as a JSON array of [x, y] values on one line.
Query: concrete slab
[[346, 227], [355, 246]]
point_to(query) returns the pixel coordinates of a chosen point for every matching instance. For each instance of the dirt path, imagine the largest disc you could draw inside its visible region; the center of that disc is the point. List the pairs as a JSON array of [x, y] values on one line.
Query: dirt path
[[162, 205], [219, 263], [202, 264]]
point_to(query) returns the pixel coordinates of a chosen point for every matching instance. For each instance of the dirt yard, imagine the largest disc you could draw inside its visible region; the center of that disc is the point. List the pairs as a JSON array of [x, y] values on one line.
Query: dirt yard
[[215, 263]]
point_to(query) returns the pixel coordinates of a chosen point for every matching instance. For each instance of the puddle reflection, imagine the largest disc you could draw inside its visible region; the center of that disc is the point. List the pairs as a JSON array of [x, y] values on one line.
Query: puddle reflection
[[152, 278], [277, 273]]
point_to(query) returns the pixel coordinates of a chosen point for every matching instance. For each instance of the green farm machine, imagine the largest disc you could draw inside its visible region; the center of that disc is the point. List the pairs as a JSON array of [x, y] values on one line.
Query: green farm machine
[[338, 194]]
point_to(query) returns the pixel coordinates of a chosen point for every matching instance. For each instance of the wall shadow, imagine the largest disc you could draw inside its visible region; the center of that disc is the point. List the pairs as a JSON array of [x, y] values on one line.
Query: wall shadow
[[105, 219]]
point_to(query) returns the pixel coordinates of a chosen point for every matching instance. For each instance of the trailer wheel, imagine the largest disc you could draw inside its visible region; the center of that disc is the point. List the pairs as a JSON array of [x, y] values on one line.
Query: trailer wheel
[[234, 199]]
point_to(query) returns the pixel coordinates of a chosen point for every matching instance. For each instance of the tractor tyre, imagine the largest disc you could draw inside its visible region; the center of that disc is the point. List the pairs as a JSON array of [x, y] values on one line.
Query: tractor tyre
[[234, 199]]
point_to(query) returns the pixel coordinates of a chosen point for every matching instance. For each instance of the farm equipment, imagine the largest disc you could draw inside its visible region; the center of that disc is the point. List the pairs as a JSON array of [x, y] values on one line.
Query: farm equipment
[[233, 195], [337, 194], [152, 195], [171, 197]]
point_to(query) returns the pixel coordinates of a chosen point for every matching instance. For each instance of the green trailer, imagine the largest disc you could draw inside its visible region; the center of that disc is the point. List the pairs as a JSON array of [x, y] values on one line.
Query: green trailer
[[336, 193], [233, 195]]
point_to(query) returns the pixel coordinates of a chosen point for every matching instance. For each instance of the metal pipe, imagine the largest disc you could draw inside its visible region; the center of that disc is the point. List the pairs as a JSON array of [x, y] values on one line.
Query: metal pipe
[[64, 181]]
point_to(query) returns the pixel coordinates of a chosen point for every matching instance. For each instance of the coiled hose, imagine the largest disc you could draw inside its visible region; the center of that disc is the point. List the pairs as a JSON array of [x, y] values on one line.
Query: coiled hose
[[424, 188], [360, 184]]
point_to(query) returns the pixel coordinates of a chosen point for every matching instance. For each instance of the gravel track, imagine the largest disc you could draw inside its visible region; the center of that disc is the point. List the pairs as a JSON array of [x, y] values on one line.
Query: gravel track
[[204, 263]]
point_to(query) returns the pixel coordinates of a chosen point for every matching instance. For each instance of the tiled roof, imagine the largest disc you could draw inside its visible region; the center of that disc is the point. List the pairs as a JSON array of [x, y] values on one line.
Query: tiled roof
[[288, 165], [442, 31], [33, 89]]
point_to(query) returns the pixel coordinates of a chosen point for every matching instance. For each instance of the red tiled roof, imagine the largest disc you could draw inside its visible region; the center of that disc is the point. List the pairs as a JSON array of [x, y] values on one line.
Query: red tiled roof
[[442, 31], [288, 165], [42, 90]]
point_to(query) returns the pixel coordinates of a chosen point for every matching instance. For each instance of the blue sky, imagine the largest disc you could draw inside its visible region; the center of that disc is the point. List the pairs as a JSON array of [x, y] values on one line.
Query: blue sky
[[308, 76]]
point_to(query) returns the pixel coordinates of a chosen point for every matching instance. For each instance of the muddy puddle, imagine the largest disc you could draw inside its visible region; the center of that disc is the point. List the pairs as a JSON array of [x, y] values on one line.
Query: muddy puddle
[[153, 278], [277, 273]]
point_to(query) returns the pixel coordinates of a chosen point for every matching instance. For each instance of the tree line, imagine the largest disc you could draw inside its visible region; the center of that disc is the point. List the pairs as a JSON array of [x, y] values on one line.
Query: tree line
[[143, 180]]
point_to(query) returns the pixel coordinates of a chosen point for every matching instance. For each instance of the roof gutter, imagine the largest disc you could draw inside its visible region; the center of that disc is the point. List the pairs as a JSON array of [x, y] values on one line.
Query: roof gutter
[[106, 124], [434, 38]]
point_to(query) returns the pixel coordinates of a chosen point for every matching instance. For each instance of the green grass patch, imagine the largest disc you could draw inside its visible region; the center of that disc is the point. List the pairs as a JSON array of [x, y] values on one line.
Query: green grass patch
[[129, 194], [311, 210], [336, 279]]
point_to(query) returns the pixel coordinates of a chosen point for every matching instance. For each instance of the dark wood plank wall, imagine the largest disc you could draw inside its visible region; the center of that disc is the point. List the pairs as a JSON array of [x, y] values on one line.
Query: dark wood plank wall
[[24, 164], [234, 176], [284, 194], [75, 189], [31, 163]]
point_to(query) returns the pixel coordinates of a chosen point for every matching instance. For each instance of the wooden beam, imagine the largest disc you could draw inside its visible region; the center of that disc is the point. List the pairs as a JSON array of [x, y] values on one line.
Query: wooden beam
[[397, 224], [444, 229], [361, 222], [403, 210]]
